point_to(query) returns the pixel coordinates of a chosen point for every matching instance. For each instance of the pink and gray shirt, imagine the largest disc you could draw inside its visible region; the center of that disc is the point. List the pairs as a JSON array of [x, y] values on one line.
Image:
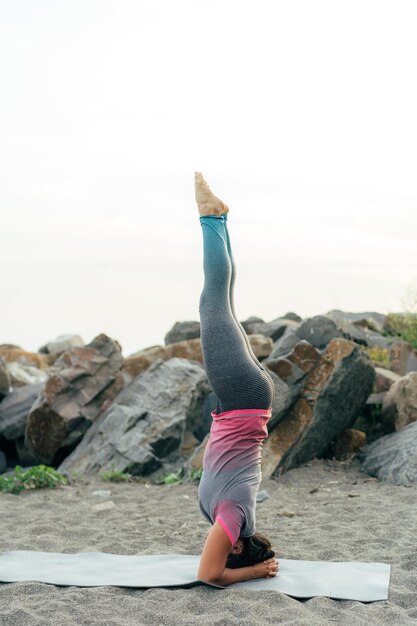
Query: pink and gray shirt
[[232, 470]]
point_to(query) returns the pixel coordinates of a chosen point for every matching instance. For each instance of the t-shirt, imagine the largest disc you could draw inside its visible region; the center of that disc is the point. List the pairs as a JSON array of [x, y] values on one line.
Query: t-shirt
[[232, 470]]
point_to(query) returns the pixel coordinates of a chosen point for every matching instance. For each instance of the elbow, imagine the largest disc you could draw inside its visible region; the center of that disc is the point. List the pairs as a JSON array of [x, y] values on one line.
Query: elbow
[[213, 578]]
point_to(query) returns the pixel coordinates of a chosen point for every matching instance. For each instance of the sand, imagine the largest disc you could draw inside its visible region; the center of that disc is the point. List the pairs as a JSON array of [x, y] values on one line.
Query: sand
[[349, 517]]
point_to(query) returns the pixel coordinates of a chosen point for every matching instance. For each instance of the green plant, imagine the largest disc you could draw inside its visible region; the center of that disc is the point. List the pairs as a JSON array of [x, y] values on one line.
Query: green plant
[[378, 354], [115, 476], [36, 477], [196, 473], [174, 478], [402, 325]]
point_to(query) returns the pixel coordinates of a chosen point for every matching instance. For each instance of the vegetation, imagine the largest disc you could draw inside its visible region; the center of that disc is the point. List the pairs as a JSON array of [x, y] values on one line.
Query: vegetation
[[378, 355], [36, 477], [404, 326], [196, 474], [175, 478], [115, 476]]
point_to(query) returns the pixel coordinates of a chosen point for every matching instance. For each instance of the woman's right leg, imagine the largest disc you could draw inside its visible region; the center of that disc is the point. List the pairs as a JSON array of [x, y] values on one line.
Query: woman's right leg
[[237, 380]]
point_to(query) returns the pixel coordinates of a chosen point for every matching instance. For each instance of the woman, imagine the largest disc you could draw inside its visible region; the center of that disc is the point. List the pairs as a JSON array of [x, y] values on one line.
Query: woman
[[233, 551]]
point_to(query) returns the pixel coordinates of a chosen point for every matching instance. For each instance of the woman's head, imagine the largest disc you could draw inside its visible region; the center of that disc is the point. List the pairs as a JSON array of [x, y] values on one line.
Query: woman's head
[[250, 550]]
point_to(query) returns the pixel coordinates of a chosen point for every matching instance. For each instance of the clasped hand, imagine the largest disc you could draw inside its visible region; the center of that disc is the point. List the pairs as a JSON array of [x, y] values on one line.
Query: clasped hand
[[266, 569]]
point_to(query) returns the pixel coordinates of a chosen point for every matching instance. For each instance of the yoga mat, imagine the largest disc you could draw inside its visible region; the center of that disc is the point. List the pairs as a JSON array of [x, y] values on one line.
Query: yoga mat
[[347, 580]]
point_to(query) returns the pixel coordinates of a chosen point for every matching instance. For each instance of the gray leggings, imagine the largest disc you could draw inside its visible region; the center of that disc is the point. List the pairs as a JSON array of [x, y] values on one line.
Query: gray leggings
[[237, 377]]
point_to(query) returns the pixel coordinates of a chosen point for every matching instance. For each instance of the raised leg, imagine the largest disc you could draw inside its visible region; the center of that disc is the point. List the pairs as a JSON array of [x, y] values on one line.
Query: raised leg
[[237, 377]]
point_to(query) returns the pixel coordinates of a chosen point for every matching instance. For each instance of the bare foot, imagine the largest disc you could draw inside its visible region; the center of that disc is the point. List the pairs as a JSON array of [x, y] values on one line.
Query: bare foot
[[208, 203]]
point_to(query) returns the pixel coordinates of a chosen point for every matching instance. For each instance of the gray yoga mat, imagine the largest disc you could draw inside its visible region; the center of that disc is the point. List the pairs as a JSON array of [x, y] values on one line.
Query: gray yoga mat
[[365, 582]]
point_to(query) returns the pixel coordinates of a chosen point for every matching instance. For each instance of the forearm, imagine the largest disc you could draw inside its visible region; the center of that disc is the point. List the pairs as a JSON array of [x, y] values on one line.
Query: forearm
[[236, 575]]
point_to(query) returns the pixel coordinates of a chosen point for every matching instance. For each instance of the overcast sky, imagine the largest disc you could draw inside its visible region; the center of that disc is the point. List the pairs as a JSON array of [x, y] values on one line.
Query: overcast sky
[[301, 115]]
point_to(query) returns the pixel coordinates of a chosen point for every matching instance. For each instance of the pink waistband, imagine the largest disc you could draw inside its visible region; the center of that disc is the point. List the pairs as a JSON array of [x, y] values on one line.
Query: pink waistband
[[242, 413]]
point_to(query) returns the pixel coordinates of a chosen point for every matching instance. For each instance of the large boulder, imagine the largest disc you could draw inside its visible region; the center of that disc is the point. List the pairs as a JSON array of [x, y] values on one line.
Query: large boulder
[[289, 374], [82, 383], [399, 407], [15, 408], [146, 424], [333, 393], [392, 458], [181, 331]]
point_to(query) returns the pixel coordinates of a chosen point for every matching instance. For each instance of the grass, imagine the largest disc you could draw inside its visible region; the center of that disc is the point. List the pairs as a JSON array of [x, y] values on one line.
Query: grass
[[404, 326], [115, 476], [378, 355], [36, 477]]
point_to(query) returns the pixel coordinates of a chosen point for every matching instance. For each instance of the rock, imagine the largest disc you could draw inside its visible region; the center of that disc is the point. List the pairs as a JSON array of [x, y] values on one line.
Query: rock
[[137, 363], [189, 444], [3, 462], [4, 378], [62, 343], [384, 379], [15, 408], [289, 374], [181, 331], [365, 336], [402, 357], [103, 506], [274, 329], [248, 323], [145, 426], [292, 316], [412, 361], [195, 461], [332, 395], [318, 331], [82, 383], [373, 318], [393, 457], [24, 456], [361, 329], [24, 374], [13, 353], [262, 495], [284, 344], [204, 424], [347, 443], [400, 403], [261, 346], [376, 398]]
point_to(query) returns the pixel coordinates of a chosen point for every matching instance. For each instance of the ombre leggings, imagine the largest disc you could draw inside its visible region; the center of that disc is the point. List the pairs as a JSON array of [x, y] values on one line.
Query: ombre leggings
[[237, 377]]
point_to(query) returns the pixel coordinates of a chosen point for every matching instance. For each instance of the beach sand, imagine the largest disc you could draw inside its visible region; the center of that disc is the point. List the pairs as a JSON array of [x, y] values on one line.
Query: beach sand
[[349, 517]]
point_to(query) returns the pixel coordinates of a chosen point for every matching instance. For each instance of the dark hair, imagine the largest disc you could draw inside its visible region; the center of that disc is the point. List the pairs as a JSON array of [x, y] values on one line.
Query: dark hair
[[255, 549]]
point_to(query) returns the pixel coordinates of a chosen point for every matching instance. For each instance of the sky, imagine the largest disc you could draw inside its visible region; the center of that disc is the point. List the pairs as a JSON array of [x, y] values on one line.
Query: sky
[[301, 115]]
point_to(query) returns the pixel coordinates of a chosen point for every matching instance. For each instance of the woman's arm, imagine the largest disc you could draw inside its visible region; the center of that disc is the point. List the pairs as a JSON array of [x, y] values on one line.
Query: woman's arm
[[213, 559]]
